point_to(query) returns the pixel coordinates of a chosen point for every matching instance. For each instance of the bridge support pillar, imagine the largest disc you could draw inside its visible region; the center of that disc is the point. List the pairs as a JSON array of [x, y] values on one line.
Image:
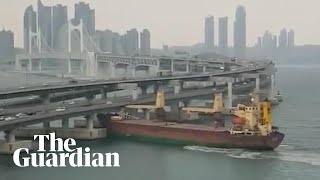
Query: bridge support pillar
[[46, 125], [82, 67], [144, 90], [204, 68], [156, 88], [272, 86], [131, 71], [9, 145], [30, 65], [185, 103], [172, 66], [104, 93], [188, 67], [177, 85], [65, 123], [90, 98], [146, 114], [152, 70], [112, 72], [258, 83], [181, 85], [45, 98], [176, 89], [40, 65], [229, 94], [143, 87], [69, 65], [10, 136], [18, 66], [90, 119], [134, 94]]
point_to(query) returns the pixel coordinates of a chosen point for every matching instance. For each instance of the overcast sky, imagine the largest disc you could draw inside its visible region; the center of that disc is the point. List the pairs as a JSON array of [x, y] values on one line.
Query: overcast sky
[[181, 22]]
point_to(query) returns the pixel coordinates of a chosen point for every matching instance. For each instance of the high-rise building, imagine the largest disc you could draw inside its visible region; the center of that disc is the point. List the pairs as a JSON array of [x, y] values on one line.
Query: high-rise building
[[84, 12], [117, 45], [283, 38], [240, 32], [45, 26], [267, 40], [145, 47], [223, 35], [104, 40], [50, 20], [6, 44], [259, 42], [59, 19], [209, 32], [29, 24], [275, 42], [131, 42], [291, 37]]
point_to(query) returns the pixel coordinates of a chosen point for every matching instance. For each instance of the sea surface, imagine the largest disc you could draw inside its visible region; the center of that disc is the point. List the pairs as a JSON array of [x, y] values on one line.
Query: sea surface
[[298, 158]]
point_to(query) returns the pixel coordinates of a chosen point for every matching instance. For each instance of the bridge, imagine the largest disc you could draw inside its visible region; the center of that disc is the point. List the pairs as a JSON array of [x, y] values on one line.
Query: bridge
[[93, 64], [143, 82], [48, 113], [90, 62], [80, 55]]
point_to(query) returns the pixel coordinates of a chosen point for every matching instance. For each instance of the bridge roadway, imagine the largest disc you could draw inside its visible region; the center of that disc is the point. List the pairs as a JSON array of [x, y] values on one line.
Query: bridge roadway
[[38, 106], [35, 100], [100, 106], [88, 85]]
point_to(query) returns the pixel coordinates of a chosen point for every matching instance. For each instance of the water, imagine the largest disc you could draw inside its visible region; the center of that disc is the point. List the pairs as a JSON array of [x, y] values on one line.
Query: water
[[298, 157]]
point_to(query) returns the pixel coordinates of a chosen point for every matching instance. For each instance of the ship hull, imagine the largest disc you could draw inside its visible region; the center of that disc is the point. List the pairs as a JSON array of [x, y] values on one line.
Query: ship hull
[[190, 134]]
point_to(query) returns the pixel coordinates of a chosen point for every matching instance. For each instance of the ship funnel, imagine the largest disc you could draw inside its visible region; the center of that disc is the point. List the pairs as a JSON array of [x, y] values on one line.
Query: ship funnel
[[218, 105], [160, 103]]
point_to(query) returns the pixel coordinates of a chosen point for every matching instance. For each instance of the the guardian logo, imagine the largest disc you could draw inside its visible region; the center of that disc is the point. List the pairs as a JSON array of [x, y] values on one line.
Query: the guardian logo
[[65, 154]]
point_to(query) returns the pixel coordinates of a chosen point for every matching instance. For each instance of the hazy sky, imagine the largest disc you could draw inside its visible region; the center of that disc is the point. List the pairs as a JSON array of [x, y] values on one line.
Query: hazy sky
[[181, 22]]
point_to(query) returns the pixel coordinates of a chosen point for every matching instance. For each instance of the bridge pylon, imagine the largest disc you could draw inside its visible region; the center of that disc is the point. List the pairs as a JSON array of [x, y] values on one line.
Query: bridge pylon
[[72, 28]]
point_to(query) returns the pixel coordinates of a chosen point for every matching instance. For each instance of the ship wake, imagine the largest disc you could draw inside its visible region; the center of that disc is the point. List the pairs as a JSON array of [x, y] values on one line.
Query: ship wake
[[234, 153], [283, 153], [292, 154]]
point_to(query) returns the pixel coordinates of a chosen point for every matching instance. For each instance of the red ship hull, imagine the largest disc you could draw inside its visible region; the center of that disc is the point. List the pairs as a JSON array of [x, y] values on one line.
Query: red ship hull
[[193, 134]]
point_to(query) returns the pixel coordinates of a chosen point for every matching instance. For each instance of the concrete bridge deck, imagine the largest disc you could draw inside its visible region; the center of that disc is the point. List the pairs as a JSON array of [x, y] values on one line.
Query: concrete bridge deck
[[98, 84], [100, 106]]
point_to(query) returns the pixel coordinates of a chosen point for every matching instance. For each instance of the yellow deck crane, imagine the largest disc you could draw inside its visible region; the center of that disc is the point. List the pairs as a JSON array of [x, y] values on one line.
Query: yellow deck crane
[[218, 106], [256, 117], [217, 110], [158, 107]]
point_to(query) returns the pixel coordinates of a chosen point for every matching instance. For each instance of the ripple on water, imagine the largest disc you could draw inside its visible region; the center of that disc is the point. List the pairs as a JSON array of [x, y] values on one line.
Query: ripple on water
[[284, 153]]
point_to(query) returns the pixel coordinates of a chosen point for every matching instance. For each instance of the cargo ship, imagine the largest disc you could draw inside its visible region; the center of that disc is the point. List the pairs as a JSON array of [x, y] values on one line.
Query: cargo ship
[[251, 126]]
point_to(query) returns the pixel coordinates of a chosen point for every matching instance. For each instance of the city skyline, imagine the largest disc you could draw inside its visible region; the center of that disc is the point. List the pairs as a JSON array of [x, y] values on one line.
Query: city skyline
[[176, 35], [47, 29]]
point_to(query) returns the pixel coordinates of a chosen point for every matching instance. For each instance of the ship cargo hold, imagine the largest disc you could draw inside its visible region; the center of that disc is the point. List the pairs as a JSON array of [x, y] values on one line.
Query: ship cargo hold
[[192, 134], [252, 127]]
